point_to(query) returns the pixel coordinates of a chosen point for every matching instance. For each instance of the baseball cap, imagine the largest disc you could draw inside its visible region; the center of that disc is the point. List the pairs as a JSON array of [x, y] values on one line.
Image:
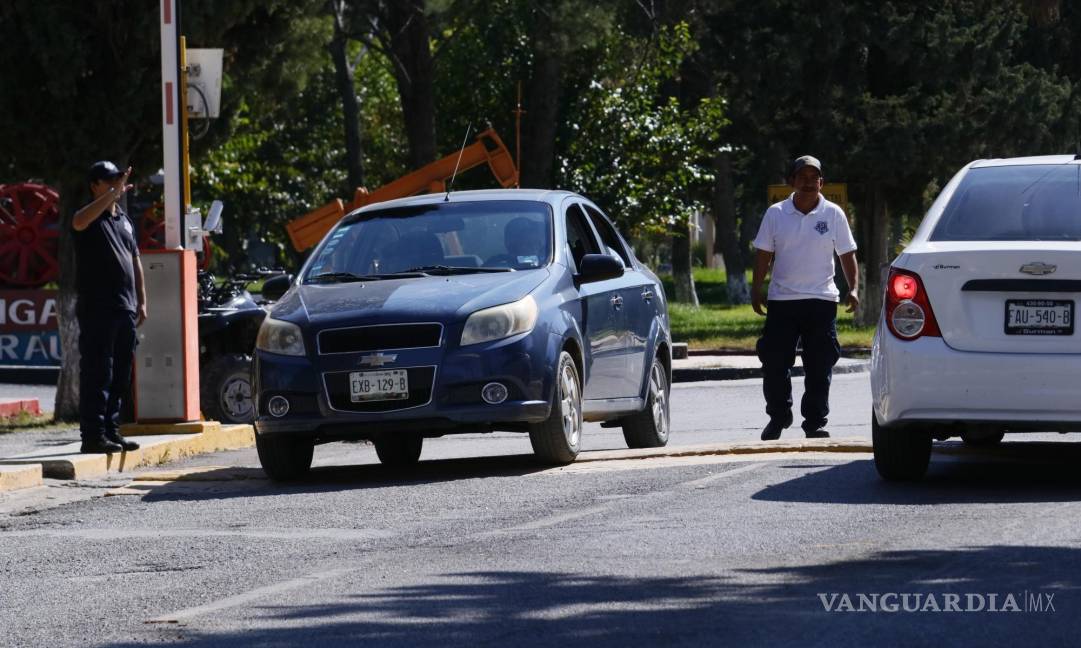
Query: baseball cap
[[103, 170], [805, 160]]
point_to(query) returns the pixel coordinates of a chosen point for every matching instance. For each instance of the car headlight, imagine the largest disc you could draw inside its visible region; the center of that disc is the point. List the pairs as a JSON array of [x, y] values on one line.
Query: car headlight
[[500, 322], [276, 336]]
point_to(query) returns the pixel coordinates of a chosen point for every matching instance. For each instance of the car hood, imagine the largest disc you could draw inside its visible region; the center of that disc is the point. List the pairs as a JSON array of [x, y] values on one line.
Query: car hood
[[433, 298]]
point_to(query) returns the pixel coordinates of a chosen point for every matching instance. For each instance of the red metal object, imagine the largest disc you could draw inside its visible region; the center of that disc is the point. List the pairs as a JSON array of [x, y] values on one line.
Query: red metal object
[[152, 234], [29, 234]]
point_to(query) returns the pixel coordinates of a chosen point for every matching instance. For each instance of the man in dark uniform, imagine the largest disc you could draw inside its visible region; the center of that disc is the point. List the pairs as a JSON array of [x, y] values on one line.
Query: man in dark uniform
[[111, 303], [795, 244]]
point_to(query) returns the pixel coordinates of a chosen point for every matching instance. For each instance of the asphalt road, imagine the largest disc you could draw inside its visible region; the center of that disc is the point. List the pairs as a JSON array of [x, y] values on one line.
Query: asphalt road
[[492, 550]]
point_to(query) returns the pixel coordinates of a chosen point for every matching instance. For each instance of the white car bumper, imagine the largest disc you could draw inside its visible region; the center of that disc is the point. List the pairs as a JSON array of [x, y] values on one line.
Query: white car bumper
[[926, 380]]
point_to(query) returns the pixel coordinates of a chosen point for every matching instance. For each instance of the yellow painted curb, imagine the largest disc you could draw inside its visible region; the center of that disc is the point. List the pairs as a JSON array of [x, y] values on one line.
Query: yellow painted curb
[[853, 444], [147, 429], [66, 462], [17, 477]]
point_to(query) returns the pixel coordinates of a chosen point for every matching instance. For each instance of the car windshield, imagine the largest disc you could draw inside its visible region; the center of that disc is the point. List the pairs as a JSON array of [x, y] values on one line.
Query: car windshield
[[1014, 203], [436, 238]]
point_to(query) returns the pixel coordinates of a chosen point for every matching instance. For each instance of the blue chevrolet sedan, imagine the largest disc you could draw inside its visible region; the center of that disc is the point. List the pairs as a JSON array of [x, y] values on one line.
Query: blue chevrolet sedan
[[508, 310]]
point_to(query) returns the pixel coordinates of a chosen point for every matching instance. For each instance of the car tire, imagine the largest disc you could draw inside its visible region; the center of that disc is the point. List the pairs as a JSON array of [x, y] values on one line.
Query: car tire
[[226, 390], [558, 438], [650, 427], [284, 458], [399, 449], [901, 454], [982, 439]]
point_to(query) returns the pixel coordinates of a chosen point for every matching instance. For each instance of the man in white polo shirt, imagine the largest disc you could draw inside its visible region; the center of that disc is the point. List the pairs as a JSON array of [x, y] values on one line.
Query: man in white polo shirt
[[798, 237]]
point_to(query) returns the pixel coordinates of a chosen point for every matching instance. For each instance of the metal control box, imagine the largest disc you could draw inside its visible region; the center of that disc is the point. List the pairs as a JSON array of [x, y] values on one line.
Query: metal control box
[[167, 357]]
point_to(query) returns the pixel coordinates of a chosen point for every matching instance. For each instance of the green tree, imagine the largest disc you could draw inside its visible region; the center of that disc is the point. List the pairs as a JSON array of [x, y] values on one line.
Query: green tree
[[638, 151]]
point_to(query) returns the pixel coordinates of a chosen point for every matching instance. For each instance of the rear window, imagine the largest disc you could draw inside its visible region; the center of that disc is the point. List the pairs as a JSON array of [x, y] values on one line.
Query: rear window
[[1014, 203]]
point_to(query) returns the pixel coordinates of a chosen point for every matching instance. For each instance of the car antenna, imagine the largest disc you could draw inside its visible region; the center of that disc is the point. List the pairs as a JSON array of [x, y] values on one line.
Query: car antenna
[[450, 184]]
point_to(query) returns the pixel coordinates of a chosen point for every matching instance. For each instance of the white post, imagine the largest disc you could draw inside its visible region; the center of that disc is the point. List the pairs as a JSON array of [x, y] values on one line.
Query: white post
[[170, 120]]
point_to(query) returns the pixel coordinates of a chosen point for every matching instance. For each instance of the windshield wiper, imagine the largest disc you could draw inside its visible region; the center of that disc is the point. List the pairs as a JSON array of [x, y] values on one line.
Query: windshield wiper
[[328, 277], [445, 269]]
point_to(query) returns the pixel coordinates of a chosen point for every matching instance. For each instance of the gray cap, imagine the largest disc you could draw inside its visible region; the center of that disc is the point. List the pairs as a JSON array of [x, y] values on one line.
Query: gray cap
[[800, 162]]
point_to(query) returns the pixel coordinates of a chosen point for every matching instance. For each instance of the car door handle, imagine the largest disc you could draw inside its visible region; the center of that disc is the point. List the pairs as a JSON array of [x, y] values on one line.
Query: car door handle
[[617, 301], [647, 295]]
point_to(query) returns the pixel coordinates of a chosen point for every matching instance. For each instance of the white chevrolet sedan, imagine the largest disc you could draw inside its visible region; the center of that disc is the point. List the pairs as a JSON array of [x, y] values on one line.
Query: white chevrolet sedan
[[977, 334]]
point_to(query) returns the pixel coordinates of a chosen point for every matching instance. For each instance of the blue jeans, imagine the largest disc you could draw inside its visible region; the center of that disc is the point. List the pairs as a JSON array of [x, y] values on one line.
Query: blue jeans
[[106, 350], [787, 322]]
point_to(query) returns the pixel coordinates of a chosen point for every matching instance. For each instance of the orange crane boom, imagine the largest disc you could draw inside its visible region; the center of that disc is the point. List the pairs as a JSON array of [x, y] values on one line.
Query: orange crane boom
[[309, 229]]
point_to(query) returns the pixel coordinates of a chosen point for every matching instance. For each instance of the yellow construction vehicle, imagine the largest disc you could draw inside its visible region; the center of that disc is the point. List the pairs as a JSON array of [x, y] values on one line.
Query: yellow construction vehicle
[[309, 229]]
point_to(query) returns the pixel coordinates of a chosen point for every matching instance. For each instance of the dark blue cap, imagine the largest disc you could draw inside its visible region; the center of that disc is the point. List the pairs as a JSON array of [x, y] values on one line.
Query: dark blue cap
[[103, 170]]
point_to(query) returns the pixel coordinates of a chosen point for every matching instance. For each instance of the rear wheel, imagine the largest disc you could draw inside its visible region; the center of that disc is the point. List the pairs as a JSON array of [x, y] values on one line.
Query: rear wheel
[[284, 458], [901, 454], [559, 438], [399, 448], [649, 428]]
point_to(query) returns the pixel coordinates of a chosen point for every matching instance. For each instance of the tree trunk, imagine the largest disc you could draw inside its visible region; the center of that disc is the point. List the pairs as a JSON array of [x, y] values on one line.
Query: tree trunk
[[682, 275], [407, 39], [343, 75], [542, 106], [872, 226], [727, 243], [66, 405]]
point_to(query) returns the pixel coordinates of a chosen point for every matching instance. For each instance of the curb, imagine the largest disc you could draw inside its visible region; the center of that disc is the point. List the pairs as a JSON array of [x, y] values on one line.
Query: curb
[[841, 444], [16, 406], [17, 477], [65, 462], [740, 373]]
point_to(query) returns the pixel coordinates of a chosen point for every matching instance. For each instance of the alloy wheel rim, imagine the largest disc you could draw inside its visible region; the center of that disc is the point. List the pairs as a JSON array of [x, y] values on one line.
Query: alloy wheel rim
[[572, 415], [660, 401]]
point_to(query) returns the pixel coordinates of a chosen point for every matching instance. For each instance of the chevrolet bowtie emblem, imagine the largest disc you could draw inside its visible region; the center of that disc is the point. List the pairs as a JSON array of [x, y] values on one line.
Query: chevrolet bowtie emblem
[[1038, 268], [378, 359]]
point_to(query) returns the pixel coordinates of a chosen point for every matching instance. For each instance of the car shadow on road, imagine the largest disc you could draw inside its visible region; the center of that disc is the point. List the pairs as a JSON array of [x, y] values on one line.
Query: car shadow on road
[[221, 483], [785, 605], [1012, 472]]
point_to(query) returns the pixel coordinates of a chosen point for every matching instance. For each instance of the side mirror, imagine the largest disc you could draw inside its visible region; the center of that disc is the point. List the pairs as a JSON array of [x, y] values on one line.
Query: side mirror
[[598, 267], [275, 287], [213, 217]]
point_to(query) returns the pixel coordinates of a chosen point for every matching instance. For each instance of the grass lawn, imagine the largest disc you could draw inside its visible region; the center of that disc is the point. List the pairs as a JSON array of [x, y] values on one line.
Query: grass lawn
[[719, 325]]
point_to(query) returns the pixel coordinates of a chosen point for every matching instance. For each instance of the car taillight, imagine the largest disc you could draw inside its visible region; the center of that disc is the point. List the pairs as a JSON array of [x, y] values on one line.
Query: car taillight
[[908, 311]]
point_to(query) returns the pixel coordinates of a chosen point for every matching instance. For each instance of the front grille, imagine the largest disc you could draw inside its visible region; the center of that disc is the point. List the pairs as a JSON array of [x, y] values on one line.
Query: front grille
[[420, 391], [380, 337]]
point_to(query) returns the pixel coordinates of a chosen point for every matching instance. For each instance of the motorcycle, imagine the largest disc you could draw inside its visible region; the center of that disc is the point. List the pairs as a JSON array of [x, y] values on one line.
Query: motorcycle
[[229, 320]]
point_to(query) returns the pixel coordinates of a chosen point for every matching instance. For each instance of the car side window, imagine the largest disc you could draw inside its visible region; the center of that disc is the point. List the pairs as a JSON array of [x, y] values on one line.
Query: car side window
[[614, 246], [579, 236]]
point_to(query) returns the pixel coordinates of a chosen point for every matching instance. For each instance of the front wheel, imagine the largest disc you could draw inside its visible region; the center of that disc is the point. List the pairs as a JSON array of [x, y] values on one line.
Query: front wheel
[[225, 393], [649, 428], [399, 448], [284, 458], [901, 453], [558, 439]]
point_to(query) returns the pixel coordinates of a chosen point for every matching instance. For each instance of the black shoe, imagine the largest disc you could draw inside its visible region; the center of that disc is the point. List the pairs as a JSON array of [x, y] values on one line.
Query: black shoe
[[817, 434], [773, 429], [100, 445], [116, 438]]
